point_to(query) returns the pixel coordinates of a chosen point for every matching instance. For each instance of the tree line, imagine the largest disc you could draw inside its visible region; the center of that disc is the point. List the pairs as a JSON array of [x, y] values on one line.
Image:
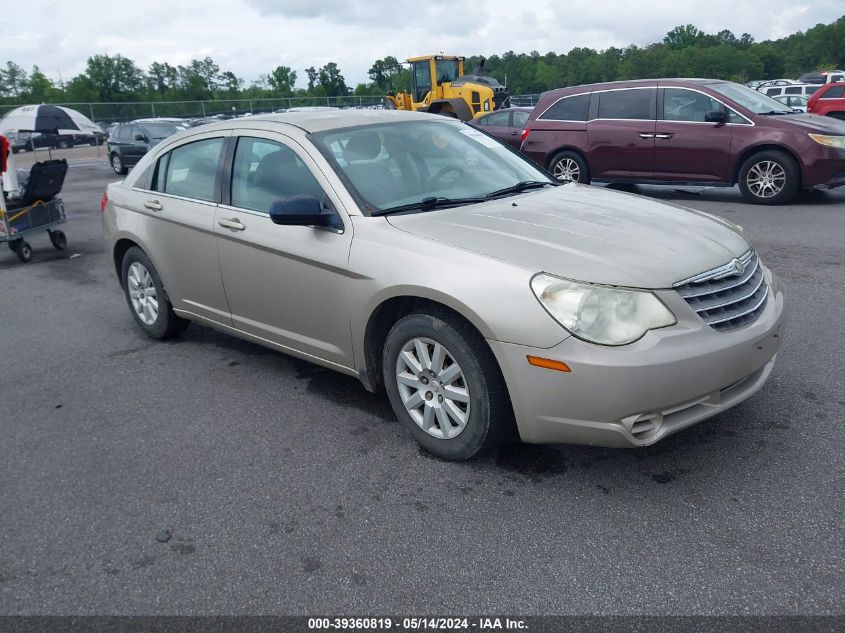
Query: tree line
[[685, 51]]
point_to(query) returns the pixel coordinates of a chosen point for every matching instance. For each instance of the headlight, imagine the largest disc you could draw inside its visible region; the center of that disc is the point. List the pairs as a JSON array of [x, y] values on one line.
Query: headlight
[[829, 141], [601, 314]]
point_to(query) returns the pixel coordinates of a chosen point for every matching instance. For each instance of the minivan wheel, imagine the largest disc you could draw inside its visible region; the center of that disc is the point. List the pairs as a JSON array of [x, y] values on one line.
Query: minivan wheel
[[570, 167], [445, 386], [769, 177], [147, 299], [117, 164]]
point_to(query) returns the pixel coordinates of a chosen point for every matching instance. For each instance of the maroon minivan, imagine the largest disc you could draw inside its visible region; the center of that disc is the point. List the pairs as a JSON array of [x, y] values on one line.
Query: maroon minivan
[[685, 131]]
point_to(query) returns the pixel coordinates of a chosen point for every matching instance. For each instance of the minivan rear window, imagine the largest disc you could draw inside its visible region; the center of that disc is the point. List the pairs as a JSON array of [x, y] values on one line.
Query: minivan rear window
[[627, 104], [573, 108]]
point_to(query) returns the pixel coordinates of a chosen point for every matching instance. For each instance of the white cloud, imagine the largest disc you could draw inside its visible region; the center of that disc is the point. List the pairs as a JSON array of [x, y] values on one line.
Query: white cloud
[[250, 37]]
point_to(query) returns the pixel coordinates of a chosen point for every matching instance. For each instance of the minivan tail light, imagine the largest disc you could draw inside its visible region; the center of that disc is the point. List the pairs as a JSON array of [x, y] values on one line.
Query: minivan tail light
[[104, 201], [525, 134]]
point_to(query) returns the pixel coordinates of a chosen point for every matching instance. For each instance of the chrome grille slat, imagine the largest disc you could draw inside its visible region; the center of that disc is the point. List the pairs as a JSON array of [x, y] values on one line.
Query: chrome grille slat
[[724, 301], [722, 284]]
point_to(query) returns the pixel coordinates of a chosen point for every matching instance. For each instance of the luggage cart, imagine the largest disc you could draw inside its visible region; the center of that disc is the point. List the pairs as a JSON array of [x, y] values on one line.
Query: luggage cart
[[16, 224], [38, 209]]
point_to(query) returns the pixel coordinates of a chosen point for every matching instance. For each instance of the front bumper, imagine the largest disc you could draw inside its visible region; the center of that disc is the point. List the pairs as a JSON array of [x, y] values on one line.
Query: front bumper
[[637, 394]]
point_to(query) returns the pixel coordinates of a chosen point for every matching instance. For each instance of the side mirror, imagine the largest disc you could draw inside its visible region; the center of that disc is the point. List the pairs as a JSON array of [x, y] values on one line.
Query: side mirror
[[299, 210], [140, 137], [716, 116]]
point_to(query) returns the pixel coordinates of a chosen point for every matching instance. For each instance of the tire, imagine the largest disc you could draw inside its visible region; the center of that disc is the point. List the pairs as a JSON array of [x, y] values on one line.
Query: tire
[[63, 144], [769, 177], [487, 414], [570, 164], [117, 164], [153, 314], [23, 250], [58, 239], [92, 142]]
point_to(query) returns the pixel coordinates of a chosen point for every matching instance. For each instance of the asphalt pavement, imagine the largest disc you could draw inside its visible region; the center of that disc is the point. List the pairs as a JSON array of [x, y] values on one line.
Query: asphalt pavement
[[288, 489]]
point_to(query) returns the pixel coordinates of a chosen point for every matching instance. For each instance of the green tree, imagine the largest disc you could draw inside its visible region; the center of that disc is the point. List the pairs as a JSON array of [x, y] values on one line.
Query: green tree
[[13, 80], [38, 88], [332, 81], [282, 80], [312, 75]]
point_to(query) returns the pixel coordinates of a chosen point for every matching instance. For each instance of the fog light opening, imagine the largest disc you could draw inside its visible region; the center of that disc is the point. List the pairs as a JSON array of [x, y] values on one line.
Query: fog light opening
[[646, 425]]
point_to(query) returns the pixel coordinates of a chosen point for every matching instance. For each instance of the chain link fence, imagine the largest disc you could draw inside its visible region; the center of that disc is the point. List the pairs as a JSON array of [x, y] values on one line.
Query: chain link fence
[[116, 112]]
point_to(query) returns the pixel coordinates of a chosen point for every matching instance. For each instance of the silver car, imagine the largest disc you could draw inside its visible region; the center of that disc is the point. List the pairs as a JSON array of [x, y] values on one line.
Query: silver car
[[427, 259]]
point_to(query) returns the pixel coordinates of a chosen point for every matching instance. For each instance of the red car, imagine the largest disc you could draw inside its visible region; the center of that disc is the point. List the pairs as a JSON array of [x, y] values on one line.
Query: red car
[[506, 125], [829, 100], [685, 131]]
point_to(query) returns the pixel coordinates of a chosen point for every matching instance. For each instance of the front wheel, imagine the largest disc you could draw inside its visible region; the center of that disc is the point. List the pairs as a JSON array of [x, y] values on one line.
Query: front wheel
[[570, 167], [148, 302], [23, 250], [769, 177], [117, 164], [445, 386]]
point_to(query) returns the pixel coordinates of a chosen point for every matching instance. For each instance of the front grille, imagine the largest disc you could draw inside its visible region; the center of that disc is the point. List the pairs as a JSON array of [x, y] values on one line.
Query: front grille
[[725, 298]]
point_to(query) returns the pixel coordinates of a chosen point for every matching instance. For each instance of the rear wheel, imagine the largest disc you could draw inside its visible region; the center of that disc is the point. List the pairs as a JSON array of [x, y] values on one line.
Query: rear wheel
[[769, 177], [445, 386], [117, 164], [570, 167], [147, 299], [58, 239]]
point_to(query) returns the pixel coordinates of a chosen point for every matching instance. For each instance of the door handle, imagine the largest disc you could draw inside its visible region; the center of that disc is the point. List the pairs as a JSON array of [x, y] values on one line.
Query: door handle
[[646, 135], [664, 135], [516, 133], [153, 205], [234, 224]]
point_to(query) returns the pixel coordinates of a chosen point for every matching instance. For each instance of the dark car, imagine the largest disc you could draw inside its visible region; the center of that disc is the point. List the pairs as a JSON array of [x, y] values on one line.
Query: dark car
[[128, 142], [679, 131], [829, 101], [22, 141], [506, 125]]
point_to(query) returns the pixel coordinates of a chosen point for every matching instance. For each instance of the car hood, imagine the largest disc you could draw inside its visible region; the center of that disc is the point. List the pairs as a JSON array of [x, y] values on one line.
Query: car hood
[[587, 234], [811, 122]]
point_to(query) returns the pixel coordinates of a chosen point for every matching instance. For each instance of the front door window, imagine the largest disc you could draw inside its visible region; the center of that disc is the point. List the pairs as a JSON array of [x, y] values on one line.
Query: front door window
[[422, 80]]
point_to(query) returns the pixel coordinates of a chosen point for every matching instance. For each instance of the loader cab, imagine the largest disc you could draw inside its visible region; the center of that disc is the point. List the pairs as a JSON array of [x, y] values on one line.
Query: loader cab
[[441, 69]]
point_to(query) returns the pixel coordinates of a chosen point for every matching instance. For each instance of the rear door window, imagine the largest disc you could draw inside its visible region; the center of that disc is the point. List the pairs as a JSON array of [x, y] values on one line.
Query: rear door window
[[191, 170], [793, 90], [627, 104], [573, 108], [836, 92]]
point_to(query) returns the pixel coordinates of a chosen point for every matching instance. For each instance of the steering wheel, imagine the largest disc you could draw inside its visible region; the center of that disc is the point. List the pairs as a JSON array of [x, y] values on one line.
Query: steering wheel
[[447, 170]]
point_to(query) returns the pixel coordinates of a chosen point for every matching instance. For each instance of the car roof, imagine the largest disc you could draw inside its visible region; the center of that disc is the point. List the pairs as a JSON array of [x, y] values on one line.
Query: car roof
[[320, 121], [632, 83]]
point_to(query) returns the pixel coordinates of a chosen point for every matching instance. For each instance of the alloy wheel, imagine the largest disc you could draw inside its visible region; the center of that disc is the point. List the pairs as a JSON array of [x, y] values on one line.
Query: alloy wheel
[[433, 388], [567, 170], [142, 293], [766, 179], [116, 163]]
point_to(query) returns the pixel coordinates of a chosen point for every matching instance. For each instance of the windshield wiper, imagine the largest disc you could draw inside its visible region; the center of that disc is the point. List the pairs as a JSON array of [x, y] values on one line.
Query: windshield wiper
[[426, 204], [773, 112], [521, 186]]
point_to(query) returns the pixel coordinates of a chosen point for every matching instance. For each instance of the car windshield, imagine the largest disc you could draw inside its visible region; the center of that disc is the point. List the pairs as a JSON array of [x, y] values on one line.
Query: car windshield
[[750, 99], [161, 130], [397, 164]]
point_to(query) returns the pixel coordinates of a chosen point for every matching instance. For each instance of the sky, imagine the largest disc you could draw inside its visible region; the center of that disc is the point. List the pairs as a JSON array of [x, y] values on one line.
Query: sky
[[251, 37]]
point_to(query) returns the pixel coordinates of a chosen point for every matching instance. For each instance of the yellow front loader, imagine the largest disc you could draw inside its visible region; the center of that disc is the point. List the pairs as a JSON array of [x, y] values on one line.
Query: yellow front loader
[[439, 85]]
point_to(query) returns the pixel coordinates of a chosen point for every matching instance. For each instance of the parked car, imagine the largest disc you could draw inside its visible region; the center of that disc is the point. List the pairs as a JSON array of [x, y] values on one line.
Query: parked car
[[678, 131], [796, 90], [795, 102], [506, 125], [829, 101], [23, 141], [128, 142], [420, 256], [823, 77]]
